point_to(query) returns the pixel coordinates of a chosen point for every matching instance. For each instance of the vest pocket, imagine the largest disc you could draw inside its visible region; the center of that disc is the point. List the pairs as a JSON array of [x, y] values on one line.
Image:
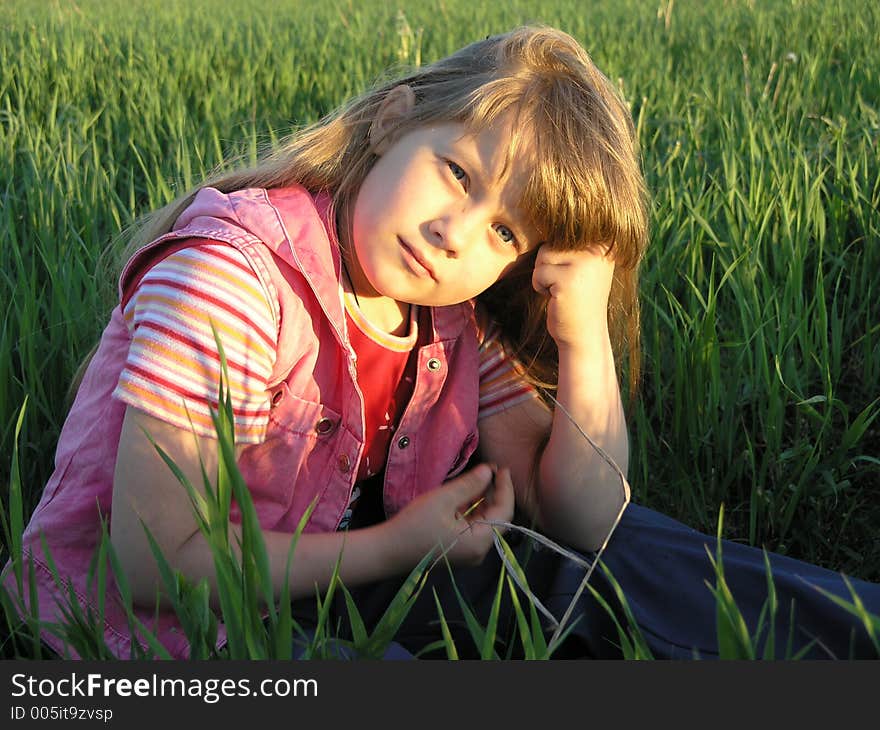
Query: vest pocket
[[291, 414], [297, 459], [468, 447]]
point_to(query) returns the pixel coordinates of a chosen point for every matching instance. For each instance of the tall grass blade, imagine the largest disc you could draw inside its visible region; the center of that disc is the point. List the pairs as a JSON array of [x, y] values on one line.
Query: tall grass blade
[[477, 632], [522, 623], [487, 651], [632, 642], [856, 607], [448, 641], [12, 529], [398, 609], [734, 641]]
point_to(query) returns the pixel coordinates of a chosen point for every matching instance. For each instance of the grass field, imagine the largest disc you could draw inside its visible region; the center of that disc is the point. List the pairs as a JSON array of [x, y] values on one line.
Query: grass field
[[760, 125]]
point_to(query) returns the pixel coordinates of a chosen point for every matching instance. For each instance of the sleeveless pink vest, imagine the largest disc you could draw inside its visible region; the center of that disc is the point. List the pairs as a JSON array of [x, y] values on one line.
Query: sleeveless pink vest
[[315, 433]]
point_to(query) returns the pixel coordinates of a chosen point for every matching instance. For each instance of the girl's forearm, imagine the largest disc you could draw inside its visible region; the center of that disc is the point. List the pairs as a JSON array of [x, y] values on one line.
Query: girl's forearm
[[579, 493], [145, 492], [364, 555]]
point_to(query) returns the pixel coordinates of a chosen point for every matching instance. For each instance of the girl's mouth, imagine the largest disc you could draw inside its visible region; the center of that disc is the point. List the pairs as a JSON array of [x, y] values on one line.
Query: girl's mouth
[[415, 262]]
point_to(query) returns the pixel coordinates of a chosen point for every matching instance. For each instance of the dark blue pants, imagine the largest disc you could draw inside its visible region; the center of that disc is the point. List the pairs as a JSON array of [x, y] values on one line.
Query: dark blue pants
[[663, 569]]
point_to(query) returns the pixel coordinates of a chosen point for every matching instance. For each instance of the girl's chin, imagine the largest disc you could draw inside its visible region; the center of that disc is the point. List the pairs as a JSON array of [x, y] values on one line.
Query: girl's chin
[[412, 290]]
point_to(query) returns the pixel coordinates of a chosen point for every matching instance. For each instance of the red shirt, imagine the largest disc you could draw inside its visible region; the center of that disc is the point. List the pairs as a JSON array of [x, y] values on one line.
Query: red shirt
[[386, 368]]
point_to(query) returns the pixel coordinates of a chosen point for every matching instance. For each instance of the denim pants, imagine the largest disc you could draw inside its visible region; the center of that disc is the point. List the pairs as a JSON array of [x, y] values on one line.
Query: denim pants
[[664, 571]]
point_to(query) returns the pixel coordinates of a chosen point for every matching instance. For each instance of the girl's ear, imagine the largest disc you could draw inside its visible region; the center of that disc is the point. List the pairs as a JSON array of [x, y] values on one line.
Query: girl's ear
[[395, 107]]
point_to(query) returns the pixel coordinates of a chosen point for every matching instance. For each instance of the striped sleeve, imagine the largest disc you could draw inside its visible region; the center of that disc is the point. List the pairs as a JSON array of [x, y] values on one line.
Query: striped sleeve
[[501, 383], [173, 367]]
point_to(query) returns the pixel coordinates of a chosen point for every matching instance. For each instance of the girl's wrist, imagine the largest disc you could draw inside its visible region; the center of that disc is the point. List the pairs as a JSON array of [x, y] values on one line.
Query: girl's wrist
[[393, 548], [593, 344]]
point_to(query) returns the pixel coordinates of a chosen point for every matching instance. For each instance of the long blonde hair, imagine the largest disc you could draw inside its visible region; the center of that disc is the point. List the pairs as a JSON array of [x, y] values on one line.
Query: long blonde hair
[[585, 186]]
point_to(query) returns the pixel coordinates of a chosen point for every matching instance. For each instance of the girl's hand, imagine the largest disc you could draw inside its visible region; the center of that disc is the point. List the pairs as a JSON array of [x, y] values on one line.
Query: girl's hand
[[578, 284], [446, 517]]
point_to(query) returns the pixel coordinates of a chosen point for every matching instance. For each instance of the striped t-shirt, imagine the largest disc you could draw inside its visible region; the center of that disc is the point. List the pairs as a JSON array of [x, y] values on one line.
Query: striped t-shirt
[[173, 367]]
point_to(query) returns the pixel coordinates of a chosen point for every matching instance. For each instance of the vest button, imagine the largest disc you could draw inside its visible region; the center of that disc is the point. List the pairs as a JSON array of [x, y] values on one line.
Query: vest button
[[324, 426], [403, 442], [277, 397], [344, 463], [433, 364]]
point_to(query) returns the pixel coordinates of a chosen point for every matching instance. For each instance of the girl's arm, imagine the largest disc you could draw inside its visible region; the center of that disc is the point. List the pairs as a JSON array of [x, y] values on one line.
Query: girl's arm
[[576, 495], [146, 493]]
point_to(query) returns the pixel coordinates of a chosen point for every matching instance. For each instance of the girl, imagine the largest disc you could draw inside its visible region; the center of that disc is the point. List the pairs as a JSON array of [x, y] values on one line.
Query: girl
[[394, 287]]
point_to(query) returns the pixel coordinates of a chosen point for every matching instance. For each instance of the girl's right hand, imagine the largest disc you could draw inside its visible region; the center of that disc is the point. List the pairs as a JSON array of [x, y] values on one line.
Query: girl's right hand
[[447, 518]]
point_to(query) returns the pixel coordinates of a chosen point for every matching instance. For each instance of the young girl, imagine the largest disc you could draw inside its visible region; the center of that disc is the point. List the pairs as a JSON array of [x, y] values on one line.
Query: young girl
[[395, 287]]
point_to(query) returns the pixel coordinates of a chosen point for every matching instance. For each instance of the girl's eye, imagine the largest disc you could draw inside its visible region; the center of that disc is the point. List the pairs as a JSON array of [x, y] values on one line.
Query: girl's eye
[[457, 172], [505, 234]]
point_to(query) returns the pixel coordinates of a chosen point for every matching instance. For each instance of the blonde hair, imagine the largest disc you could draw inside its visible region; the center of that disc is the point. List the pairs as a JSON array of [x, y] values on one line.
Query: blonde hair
[[585, 185]]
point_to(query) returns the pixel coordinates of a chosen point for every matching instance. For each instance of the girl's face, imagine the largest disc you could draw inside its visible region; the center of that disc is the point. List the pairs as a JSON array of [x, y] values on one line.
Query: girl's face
[[434, 223]]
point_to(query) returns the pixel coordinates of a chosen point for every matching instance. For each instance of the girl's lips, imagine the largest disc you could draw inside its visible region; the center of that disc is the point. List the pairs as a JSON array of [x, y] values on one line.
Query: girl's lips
[[414, 260]]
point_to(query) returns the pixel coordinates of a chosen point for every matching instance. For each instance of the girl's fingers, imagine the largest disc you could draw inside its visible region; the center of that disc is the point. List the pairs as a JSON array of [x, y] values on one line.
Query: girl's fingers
[[546, 274], [472, 483], [539, 283], [544, 277], [464, 491], [501, 505]]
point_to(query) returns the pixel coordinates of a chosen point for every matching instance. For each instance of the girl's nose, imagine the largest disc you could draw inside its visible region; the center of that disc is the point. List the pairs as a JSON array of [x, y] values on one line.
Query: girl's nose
[[451, 233]]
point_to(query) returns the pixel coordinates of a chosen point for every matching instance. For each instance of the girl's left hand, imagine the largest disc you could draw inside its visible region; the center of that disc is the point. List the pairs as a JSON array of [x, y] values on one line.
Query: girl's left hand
[[578, 284]]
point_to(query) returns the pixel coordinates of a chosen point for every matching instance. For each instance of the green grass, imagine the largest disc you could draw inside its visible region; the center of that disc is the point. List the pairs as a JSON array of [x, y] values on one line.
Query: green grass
[[760, 124]]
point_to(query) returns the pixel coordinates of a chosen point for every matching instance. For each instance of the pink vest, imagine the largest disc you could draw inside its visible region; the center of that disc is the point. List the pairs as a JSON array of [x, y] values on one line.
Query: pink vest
[[315, 433]]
